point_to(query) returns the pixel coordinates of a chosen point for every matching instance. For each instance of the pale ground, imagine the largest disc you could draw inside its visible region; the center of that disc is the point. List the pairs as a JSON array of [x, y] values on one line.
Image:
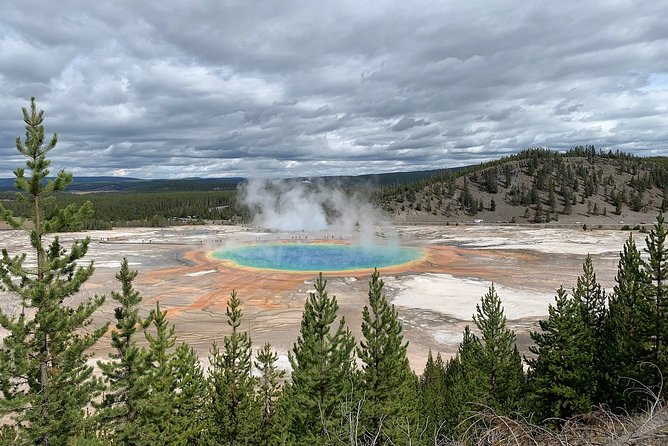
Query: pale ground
[[435, 297]]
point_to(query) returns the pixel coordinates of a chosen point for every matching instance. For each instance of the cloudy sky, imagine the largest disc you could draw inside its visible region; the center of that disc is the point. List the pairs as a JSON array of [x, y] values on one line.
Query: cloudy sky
[[174, 88]]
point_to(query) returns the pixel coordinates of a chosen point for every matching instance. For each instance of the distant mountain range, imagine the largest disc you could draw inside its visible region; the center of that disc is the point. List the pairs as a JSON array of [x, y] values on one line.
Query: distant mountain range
[[127, 184]]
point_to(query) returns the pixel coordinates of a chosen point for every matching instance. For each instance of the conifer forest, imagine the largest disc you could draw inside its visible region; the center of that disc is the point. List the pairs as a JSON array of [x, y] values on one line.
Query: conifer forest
[[594, 374]]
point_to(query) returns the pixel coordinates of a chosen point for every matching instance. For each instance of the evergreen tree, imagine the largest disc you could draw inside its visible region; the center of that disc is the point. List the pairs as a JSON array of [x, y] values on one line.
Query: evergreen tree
[[322, 371], [657, 268], [186, 424], [628, 331], [44, 377], [551, 198], [560, 378], [568, 206], [591, 296], [235, 412], [125, 372], [501, 361], [156, 410], [432, 393], [538, 216], [269, 389], [467, 386], [390, 394], [619, 199], [591, 300]]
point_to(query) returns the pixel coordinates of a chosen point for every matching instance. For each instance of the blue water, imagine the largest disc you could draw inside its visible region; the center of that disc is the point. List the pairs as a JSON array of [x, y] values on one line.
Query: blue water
[[317, 257]]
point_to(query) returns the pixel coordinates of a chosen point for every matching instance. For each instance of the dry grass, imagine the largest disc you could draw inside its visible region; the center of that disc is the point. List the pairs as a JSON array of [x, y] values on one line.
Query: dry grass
[[600, 427]]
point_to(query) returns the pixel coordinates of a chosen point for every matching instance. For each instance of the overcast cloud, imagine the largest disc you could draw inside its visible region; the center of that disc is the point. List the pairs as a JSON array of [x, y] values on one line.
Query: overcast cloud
[[158, 89]]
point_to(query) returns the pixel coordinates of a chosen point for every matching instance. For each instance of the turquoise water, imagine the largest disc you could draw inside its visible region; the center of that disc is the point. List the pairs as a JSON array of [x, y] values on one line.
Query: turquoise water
[[317, 257]]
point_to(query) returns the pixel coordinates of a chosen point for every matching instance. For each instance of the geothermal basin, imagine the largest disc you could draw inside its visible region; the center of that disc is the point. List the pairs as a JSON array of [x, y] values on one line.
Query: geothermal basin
[[318, 257], [435, 292]]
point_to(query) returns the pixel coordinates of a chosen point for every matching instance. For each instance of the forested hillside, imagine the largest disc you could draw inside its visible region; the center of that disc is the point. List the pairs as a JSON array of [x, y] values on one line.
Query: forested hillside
[[580, 186], [121, 202], [539, 186], [156, 209]]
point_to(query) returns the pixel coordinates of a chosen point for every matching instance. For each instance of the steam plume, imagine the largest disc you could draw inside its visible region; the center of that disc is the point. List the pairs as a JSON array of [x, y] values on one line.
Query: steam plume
[[293, 205]]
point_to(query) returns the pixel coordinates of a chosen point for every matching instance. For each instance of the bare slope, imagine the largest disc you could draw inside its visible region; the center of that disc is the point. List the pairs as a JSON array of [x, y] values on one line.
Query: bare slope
[[540, 186]]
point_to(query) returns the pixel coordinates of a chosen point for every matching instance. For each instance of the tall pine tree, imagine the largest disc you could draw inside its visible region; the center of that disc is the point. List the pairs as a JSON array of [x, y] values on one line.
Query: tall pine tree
[[157, 408], [501, 361], [591, 296], [322, 371], [124, 373], [657, 268], [235, 412], [386, 379], [561, 383], [629, 332], [591, 299], [186, 425], [268, 389], [44, 377], [467, 385], [432, 393]]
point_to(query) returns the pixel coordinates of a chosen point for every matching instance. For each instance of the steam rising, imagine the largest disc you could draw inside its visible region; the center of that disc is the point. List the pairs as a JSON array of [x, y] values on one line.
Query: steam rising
[[293, 205]]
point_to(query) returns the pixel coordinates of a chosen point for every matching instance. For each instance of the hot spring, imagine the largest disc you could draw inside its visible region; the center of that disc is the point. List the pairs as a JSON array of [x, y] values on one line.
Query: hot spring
[[317, 257]]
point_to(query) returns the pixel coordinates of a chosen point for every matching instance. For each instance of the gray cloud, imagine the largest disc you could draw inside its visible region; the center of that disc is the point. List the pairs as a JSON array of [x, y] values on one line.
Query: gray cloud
[[408, 122], [172, 89]]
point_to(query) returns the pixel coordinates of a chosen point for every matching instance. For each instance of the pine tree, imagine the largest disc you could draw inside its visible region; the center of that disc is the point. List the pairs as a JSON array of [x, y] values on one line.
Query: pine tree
[[591, 300], [125, 372], [591, 297], [269, 389], [551, 198], [628, 331], [45, 380], [157, 408], [467, 386], [186, 424], [390, 395], [235, 412], [560, 378], [538, 216], [432, 393], [322, 371], [501, 362], [657, 268], [618, 203], [568, 206]]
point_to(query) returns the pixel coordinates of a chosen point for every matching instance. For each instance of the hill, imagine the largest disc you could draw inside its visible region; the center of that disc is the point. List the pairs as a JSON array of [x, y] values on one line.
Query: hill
[[581, 186], [122, 201]]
